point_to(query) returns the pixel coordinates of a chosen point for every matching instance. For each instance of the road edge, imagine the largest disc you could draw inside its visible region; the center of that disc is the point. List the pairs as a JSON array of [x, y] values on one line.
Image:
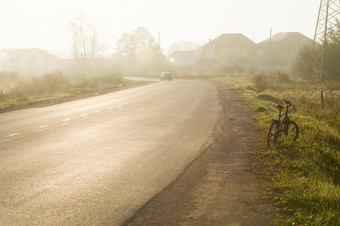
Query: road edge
[[151, 212]]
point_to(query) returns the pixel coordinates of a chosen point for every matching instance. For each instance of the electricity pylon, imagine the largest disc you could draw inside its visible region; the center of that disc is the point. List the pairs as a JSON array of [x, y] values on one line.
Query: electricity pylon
[[328, 17]]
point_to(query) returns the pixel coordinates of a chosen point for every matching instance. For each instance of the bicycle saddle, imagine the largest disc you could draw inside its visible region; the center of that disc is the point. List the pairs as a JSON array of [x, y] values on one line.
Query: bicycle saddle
[[280, 107]]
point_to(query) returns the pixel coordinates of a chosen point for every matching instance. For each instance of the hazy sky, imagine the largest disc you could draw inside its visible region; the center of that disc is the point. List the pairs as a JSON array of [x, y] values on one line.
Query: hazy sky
[[45, 23]]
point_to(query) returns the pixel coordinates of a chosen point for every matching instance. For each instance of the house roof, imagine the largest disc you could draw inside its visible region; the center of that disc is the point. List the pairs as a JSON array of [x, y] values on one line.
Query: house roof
[[230, 40], [286, 39], [186, 54], [29, 52]]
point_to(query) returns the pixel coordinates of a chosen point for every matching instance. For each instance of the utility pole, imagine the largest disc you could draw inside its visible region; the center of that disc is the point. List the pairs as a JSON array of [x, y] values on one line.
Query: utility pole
[[328, 16], [159, 42], [269, 51]]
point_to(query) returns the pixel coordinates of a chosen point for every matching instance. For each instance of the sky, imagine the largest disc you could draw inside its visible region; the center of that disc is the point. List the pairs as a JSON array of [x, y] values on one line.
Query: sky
[[45, 24]]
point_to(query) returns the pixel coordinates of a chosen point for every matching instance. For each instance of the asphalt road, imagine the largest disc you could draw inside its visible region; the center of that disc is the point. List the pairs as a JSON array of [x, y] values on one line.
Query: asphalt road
[[98, 160]]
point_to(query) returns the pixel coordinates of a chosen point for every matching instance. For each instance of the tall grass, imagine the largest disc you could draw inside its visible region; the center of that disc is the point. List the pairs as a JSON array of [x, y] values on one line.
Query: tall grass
[[16, 90], [306, 173], [317, 100]]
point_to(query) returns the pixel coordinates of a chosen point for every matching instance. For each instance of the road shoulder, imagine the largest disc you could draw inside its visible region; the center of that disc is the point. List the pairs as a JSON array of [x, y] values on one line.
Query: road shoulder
[[67, 97], [219, 187]]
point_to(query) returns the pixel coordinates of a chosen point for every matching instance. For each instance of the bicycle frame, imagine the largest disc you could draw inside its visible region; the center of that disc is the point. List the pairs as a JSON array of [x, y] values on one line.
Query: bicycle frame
[[283, 120]]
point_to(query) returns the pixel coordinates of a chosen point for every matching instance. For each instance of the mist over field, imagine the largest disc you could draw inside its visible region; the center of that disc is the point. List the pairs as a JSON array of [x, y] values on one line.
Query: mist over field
[[89, 40], [194, 112]]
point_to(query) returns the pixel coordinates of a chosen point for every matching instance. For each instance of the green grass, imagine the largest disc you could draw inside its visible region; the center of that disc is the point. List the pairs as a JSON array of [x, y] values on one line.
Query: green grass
[[305, 174]]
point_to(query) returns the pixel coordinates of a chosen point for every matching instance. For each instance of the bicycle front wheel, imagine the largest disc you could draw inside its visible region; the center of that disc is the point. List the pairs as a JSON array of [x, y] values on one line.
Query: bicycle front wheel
[[292, 131], [273, 134]]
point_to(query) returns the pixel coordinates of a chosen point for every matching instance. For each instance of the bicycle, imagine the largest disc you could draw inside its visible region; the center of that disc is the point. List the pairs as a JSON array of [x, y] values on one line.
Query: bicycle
[[282, 126]]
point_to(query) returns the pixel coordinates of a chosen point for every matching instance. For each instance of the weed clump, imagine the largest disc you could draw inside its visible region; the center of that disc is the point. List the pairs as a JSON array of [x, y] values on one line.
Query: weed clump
[[281, 76], [260, 82]]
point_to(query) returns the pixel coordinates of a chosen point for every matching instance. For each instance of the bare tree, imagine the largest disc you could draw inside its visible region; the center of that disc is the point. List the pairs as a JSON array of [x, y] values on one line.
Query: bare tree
[[85, 43]]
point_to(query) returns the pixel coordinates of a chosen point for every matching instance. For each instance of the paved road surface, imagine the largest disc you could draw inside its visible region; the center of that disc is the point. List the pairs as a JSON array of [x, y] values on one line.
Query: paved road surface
[[98, 160]]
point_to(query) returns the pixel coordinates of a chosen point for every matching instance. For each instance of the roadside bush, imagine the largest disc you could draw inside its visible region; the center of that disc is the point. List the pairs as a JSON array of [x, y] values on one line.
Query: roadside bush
[[48, 83], [2, 95], [112, 78], [52, 82], [282, 76], [260, 82], [7, 76]]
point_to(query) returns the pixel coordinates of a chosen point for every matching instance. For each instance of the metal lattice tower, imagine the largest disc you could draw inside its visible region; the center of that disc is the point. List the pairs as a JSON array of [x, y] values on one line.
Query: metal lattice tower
[[328, 17]]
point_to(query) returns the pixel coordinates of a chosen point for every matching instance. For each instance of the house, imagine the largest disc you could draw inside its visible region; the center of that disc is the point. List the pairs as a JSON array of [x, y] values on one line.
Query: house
[[230, 49], [27, 60], [181, 58], [277, 52]]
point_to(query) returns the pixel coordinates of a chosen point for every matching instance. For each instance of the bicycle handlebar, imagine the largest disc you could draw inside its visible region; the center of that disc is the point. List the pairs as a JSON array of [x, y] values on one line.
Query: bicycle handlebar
[[287, 101], [289, 104]]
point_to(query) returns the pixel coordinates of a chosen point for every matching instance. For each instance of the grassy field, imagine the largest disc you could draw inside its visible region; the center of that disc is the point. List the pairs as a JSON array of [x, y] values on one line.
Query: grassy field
[[305, 174], [19, 91]]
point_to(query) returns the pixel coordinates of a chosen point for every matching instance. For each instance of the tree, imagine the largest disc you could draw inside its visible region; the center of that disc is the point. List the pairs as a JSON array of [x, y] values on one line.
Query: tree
[[85, 43], [302, 64], [332, 65], [136, 43]]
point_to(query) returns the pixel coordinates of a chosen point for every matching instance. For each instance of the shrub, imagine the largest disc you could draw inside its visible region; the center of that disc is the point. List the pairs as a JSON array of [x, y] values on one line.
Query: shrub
[[112, 78], [7, 76], [260, 81], [48, 83], [301, 65], [2, 95], [282, 76]]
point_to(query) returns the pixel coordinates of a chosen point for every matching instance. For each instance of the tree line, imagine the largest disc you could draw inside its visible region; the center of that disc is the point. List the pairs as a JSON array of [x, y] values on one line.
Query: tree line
[[138, 44]]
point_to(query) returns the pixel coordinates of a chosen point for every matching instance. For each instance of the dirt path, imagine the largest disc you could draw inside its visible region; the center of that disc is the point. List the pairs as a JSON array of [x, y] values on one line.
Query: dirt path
[[219, 187]]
